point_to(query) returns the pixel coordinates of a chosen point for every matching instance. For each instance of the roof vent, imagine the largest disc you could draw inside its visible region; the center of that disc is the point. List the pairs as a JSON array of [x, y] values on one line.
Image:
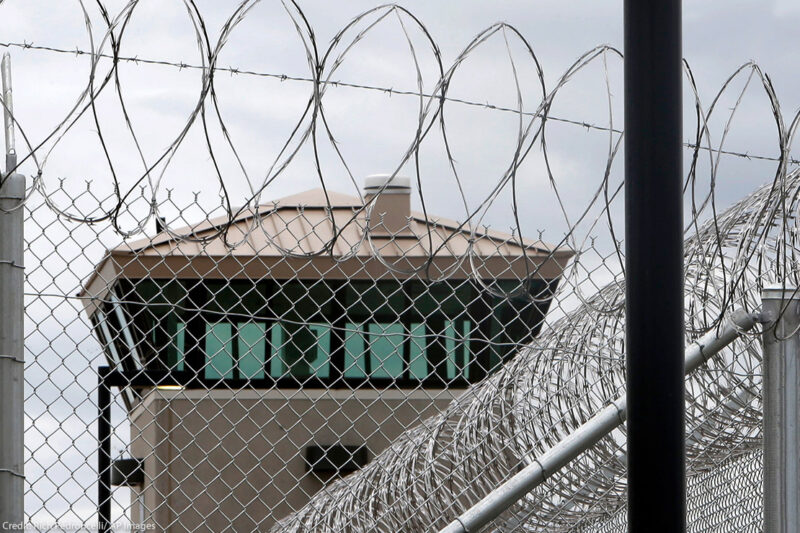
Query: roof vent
[[392, 207]]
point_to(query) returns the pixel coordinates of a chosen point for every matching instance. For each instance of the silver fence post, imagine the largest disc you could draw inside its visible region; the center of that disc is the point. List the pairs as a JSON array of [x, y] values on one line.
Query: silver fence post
[[781, 307], [12, 277]]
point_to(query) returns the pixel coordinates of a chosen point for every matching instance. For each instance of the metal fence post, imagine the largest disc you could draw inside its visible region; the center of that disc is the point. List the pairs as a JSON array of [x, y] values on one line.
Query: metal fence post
[[587, 435], [12, 277], [654, 282], [781, 306], [103, 450]]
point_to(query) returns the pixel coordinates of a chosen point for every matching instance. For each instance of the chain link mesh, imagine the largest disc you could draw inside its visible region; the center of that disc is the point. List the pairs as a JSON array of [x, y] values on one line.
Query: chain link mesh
[[340, 362], [257, 433]]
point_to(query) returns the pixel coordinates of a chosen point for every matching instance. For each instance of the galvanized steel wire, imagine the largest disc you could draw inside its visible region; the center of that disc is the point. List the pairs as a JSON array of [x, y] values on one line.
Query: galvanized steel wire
[[574, 367]]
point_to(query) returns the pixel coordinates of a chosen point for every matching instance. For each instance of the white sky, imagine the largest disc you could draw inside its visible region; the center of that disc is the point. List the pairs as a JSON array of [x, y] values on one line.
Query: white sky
[[373, 129]]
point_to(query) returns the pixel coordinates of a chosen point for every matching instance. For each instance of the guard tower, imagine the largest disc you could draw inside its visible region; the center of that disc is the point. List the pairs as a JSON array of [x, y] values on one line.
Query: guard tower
[[266, 357]]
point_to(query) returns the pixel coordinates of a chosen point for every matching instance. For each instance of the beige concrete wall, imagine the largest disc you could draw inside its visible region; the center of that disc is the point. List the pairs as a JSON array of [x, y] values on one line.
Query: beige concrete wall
[[235, 461]]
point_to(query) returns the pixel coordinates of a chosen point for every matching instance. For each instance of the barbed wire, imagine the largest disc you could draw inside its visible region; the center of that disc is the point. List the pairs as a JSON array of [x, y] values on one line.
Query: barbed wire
[[536, 398], [323, 67], [570, 372], [431, 108], [180, 65]]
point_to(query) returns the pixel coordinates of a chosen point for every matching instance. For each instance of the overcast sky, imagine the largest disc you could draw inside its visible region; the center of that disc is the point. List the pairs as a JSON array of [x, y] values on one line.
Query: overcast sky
[[374, 129]]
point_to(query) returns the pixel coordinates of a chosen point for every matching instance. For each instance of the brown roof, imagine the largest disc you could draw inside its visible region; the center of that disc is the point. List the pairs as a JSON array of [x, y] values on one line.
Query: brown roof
[[294, 237], [300, 223]]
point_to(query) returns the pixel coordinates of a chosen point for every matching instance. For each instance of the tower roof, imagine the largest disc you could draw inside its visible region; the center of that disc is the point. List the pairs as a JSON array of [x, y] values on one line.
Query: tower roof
[[320, 233]]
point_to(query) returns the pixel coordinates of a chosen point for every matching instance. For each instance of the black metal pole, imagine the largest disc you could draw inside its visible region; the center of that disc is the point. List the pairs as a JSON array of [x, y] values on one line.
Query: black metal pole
[[654, 266], [103, 451]]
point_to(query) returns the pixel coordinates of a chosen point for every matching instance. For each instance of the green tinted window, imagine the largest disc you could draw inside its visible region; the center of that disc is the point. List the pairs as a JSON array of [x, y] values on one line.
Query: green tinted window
[[386, 350], [235, 298], [252, 344], [515, 318], [355, 365], [276, 369], [219, 351], [441, 298], [466, 352], [154, 308], [457, 347], [367, 300], [177, 346], [418, 363], [299, 302], [389, 329], [301, 350]]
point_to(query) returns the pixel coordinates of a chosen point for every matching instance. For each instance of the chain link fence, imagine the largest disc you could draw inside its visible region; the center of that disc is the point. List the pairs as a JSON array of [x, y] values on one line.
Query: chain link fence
[[359, 397], [345, 359]]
